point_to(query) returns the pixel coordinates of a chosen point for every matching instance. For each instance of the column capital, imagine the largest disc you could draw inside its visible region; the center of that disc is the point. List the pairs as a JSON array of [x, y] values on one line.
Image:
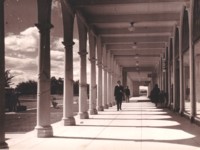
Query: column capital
[[109, 70], [44, 26], [104, 67], [68, 44], [99, 64], [115, 74], [82, 84], [83, 53], [112, 73], [92, 59]]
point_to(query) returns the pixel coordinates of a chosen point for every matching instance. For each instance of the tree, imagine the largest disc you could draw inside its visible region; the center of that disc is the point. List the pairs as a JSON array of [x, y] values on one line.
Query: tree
[[56, 85], [76, 87], [60, 85], [8, 78], [28, 87], [53, 85]]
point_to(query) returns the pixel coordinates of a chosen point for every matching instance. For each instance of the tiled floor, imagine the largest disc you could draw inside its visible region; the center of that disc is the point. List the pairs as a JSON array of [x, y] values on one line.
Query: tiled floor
[[139, 126]]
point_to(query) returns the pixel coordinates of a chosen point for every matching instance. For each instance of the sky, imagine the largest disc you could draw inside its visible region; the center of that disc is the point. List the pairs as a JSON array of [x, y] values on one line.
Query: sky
[[21, 41]]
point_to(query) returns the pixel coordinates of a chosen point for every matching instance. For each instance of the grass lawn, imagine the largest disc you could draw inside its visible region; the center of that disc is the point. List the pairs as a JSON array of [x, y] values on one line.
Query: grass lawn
[[26, 121]]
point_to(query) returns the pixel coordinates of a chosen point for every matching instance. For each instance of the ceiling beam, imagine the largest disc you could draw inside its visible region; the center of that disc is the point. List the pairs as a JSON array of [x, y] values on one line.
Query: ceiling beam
[[137, 51], [134, 18], [143, 69], [137, 35], [137, 30], [82, 3], [82, 18], [133, 56], [139, 45], [80, 15], [130, 61], [130, 40]]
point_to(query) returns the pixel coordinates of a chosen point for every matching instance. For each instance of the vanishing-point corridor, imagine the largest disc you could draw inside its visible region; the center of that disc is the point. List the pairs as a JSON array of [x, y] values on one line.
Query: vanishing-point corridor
[[139, 126], [139, 42]]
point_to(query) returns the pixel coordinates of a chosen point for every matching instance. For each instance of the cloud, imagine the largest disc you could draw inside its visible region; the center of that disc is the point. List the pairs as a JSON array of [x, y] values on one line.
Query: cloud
[[56, 44], [23, 69], [57, 55], [22, 56], [20, 64], [26, 41]]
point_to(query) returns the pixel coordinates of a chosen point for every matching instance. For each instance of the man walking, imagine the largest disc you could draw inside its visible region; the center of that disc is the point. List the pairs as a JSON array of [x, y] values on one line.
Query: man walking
[[119, 93], [127, 94]]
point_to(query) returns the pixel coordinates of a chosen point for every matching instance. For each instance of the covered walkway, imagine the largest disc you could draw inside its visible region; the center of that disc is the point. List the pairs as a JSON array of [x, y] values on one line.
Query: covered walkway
[[140, 126], [139, 42]]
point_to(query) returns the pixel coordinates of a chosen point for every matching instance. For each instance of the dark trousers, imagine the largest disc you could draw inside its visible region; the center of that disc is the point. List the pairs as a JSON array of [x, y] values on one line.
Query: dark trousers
[[119, 104]]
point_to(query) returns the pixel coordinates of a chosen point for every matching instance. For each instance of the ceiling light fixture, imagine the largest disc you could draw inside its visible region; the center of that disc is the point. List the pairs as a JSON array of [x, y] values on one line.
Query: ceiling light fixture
[[136, 56], [131, 27], [137, 63], [134, 45]]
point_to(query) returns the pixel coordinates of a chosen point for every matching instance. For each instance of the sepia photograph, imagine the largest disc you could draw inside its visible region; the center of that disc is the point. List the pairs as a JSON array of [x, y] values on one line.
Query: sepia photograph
[[99, 74]]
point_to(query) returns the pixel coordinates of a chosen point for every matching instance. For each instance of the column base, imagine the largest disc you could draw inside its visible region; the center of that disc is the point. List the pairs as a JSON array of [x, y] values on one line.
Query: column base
[[69, 121], [106, 106], [3, 145], [83, 115], [192, 119], [100, 108], [110, 104], [93, 111], [43, 132], [181, 112]]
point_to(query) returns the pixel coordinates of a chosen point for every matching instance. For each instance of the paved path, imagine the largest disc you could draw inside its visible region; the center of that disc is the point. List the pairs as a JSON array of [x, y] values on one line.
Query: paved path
[[139, 126]]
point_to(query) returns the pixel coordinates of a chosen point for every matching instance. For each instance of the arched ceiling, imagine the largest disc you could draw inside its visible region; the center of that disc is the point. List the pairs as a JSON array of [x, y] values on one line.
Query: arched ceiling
[[154, 22]]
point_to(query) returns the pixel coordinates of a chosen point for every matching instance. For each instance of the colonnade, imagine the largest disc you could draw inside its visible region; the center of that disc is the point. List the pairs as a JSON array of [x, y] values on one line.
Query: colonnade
[[100, 97], [171, 76], [104, 69]]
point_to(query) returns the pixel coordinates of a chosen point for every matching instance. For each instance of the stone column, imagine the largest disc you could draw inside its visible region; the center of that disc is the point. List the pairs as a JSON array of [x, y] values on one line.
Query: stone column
[[92, 97], [164, 72], [181, 74], [161, 73], [158, 74], [117, 73], [108, 79], [169, 75], [3, 144], [83, 96], [166, 69], [105, 102], [99, 84], [115, 79], [181, 64], [68, 23], [174, 71], [192, 62], [43, 126], [112, 81], [120, 73], [68, 116], [124, 78]]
